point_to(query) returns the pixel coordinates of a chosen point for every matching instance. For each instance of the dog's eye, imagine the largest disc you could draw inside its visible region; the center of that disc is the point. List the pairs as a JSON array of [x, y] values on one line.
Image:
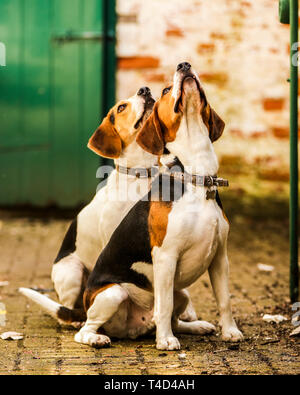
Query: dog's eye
[[166, 90], [122, 107]]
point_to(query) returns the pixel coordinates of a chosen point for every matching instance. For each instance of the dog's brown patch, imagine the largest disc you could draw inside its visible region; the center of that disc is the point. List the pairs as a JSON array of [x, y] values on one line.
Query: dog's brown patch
[[213, 122], [158, 222], [124, 123], [161, 127], [116, 131], [169, 120], [71, 315], [106, 141], [90, 295], [150, 137], [205, 113]]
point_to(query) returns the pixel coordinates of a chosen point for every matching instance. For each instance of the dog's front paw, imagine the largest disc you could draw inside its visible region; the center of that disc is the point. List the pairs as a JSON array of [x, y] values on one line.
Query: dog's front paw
[[168, 343], [232, 334], [92, 339], [101, 341]]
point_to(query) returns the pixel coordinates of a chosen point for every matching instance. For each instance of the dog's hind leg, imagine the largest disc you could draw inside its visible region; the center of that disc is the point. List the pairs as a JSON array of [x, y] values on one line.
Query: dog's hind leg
[[102, 304], [197, 327], [69, 277], [189, 313]]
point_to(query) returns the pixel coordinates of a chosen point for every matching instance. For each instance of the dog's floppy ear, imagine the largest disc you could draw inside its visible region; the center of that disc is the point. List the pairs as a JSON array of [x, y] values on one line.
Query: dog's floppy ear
[[150, 137], [106, 141], [216, 125]]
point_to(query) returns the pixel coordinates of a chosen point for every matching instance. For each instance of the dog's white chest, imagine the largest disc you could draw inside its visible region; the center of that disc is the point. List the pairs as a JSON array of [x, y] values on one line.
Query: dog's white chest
[[197, 228]]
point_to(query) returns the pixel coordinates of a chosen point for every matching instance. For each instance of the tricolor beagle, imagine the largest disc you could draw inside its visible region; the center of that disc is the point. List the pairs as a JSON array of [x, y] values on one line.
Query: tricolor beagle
[[115, 138], [89, 233], [165, 244]]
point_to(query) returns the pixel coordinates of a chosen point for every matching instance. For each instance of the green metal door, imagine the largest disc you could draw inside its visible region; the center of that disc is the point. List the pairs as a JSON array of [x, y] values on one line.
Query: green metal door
[[51, 99]]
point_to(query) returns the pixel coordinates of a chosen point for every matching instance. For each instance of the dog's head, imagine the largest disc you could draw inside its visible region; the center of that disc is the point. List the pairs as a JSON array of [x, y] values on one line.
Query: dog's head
[[121, 125], [184, 97]]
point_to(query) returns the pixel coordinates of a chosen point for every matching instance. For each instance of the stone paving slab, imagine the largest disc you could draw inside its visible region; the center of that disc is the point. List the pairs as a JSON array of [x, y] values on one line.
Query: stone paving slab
[[27, 249]]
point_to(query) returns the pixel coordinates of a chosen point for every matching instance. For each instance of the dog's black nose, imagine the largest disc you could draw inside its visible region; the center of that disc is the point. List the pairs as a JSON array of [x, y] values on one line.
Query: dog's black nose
[[144, 91], [185, 66]]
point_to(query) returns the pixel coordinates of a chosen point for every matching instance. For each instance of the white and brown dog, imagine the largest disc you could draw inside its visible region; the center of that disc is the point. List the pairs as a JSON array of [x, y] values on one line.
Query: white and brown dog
[[164, 245], [91, 230]]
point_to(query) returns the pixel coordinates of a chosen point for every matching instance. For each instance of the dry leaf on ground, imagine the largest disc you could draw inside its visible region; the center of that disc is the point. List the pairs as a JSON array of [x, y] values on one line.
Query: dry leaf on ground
[[11, 336]]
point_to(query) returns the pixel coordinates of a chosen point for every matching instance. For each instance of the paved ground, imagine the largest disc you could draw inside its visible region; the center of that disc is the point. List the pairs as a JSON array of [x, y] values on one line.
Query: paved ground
[[28, 245]]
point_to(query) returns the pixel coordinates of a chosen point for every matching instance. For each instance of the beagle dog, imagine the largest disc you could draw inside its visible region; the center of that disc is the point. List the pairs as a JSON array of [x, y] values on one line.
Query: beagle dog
[[171, 236], [88, 234], [115, 138]]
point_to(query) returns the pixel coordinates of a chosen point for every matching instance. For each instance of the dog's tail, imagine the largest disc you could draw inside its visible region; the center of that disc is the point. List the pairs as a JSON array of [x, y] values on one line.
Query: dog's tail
[[56, 310]]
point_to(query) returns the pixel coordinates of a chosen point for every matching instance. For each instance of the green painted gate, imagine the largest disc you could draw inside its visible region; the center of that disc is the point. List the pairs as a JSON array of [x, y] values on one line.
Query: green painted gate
[[57, 83]]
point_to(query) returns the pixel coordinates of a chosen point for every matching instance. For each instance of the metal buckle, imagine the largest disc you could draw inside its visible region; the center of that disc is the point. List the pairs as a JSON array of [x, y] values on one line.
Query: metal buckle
[[221, 182], [211, 194], [209, 181]]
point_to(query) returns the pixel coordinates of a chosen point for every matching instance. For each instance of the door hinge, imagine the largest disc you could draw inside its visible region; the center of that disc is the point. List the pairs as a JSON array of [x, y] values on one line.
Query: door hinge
[[70, 36]]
